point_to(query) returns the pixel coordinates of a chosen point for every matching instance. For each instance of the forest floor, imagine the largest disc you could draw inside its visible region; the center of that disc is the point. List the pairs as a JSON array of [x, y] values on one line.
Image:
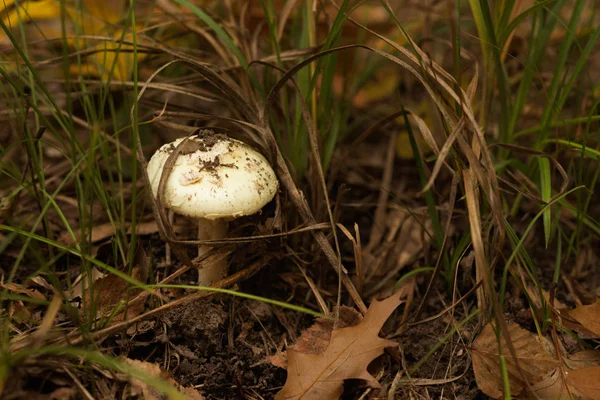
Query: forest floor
[[434, 234]]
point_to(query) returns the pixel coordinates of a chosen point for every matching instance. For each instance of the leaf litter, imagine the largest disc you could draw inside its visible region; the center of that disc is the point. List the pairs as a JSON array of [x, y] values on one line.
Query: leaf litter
[[578, 376]]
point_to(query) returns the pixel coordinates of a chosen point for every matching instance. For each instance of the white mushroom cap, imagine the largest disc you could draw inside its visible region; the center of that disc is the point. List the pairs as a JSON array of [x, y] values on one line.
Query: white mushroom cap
[[214, 176]]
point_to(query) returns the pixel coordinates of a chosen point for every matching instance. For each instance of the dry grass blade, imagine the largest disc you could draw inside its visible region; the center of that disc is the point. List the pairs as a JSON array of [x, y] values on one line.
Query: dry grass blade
[[442, 153], [479, 158], [382, 201], [357, 248], [39, 336], [288, 182], [481, 264], [231, 91]]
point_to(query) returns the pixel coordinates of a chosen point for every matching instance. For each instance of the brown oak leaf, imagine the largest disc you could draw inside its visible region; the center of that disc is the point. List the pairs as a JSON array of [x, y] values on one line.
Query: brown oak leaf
[[315, 339], [349, 352]]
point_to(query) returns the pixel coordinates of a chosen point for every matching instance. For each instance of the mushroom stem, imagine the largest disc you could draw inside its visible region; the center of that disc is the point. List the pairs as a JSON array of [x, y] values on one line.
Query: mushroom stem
[[211, 271]]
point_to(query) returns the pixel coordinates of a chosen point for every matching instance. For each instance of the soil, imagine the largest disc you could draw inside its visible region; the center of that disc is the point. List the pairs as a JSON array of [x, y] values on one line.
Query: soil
[[220, 346]]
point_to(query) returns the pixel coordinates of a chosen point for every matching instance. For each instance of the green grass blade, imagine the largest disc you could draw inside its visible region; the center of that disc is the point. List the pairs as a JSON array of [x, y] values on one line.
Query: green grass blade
[[538, 46], [553, 91], [546, 194], [243, 295], [587, 151], [220, 32]]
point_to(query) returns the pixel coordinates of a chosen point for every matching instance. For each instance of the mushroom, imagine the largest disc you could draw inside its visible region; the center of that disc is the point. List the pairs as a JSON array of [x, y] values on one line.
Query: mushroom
[[214, 179]]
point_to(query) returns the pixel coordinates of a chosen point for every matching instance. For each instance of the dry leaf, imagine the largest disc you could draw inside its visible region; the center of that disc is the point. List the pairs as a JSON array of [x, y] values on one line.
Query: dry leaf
[[568, 322], [20, 289], [315, 339], [586, 382], [142, 389], [81, 283], [550, 387], [105, 231], [582, 374], [588, 316], [350, 350], [533, 359], [109, 291], [583, 359], [63, 393], [18, 311]]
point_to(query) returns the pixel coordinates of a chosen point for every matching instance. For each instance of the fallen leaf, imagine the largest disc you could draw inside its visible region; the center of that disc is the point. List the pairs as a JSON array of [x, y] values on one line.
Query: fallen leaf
[[349, 352], [582, 370], [586, 382], [29, 11], [16, 288], [141, 388], [581, 384], [583, 359], [315, 339], [550, 387], [570, 323], [145, 391], [105, 231], [533, 359], [63, 393], [18, 311], [108, 291], [112, 290], [81, 283], [109, 59], [588, 316], [40, 281]]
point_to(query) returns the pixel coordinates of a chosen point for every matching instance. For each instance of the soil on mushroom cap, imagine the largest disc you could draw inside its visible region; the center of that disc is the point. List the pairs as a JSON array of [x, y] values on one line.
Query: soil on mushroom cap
[[207, 139]]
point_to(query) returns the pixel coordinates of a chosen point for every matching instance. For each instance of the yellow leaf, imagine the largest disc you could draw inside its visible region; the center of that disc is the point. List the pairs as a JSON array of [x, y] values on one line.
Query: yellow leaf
[[31, 11], [115, 57], [384, 84], [404, 150], [396, 35], [106, 11]]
